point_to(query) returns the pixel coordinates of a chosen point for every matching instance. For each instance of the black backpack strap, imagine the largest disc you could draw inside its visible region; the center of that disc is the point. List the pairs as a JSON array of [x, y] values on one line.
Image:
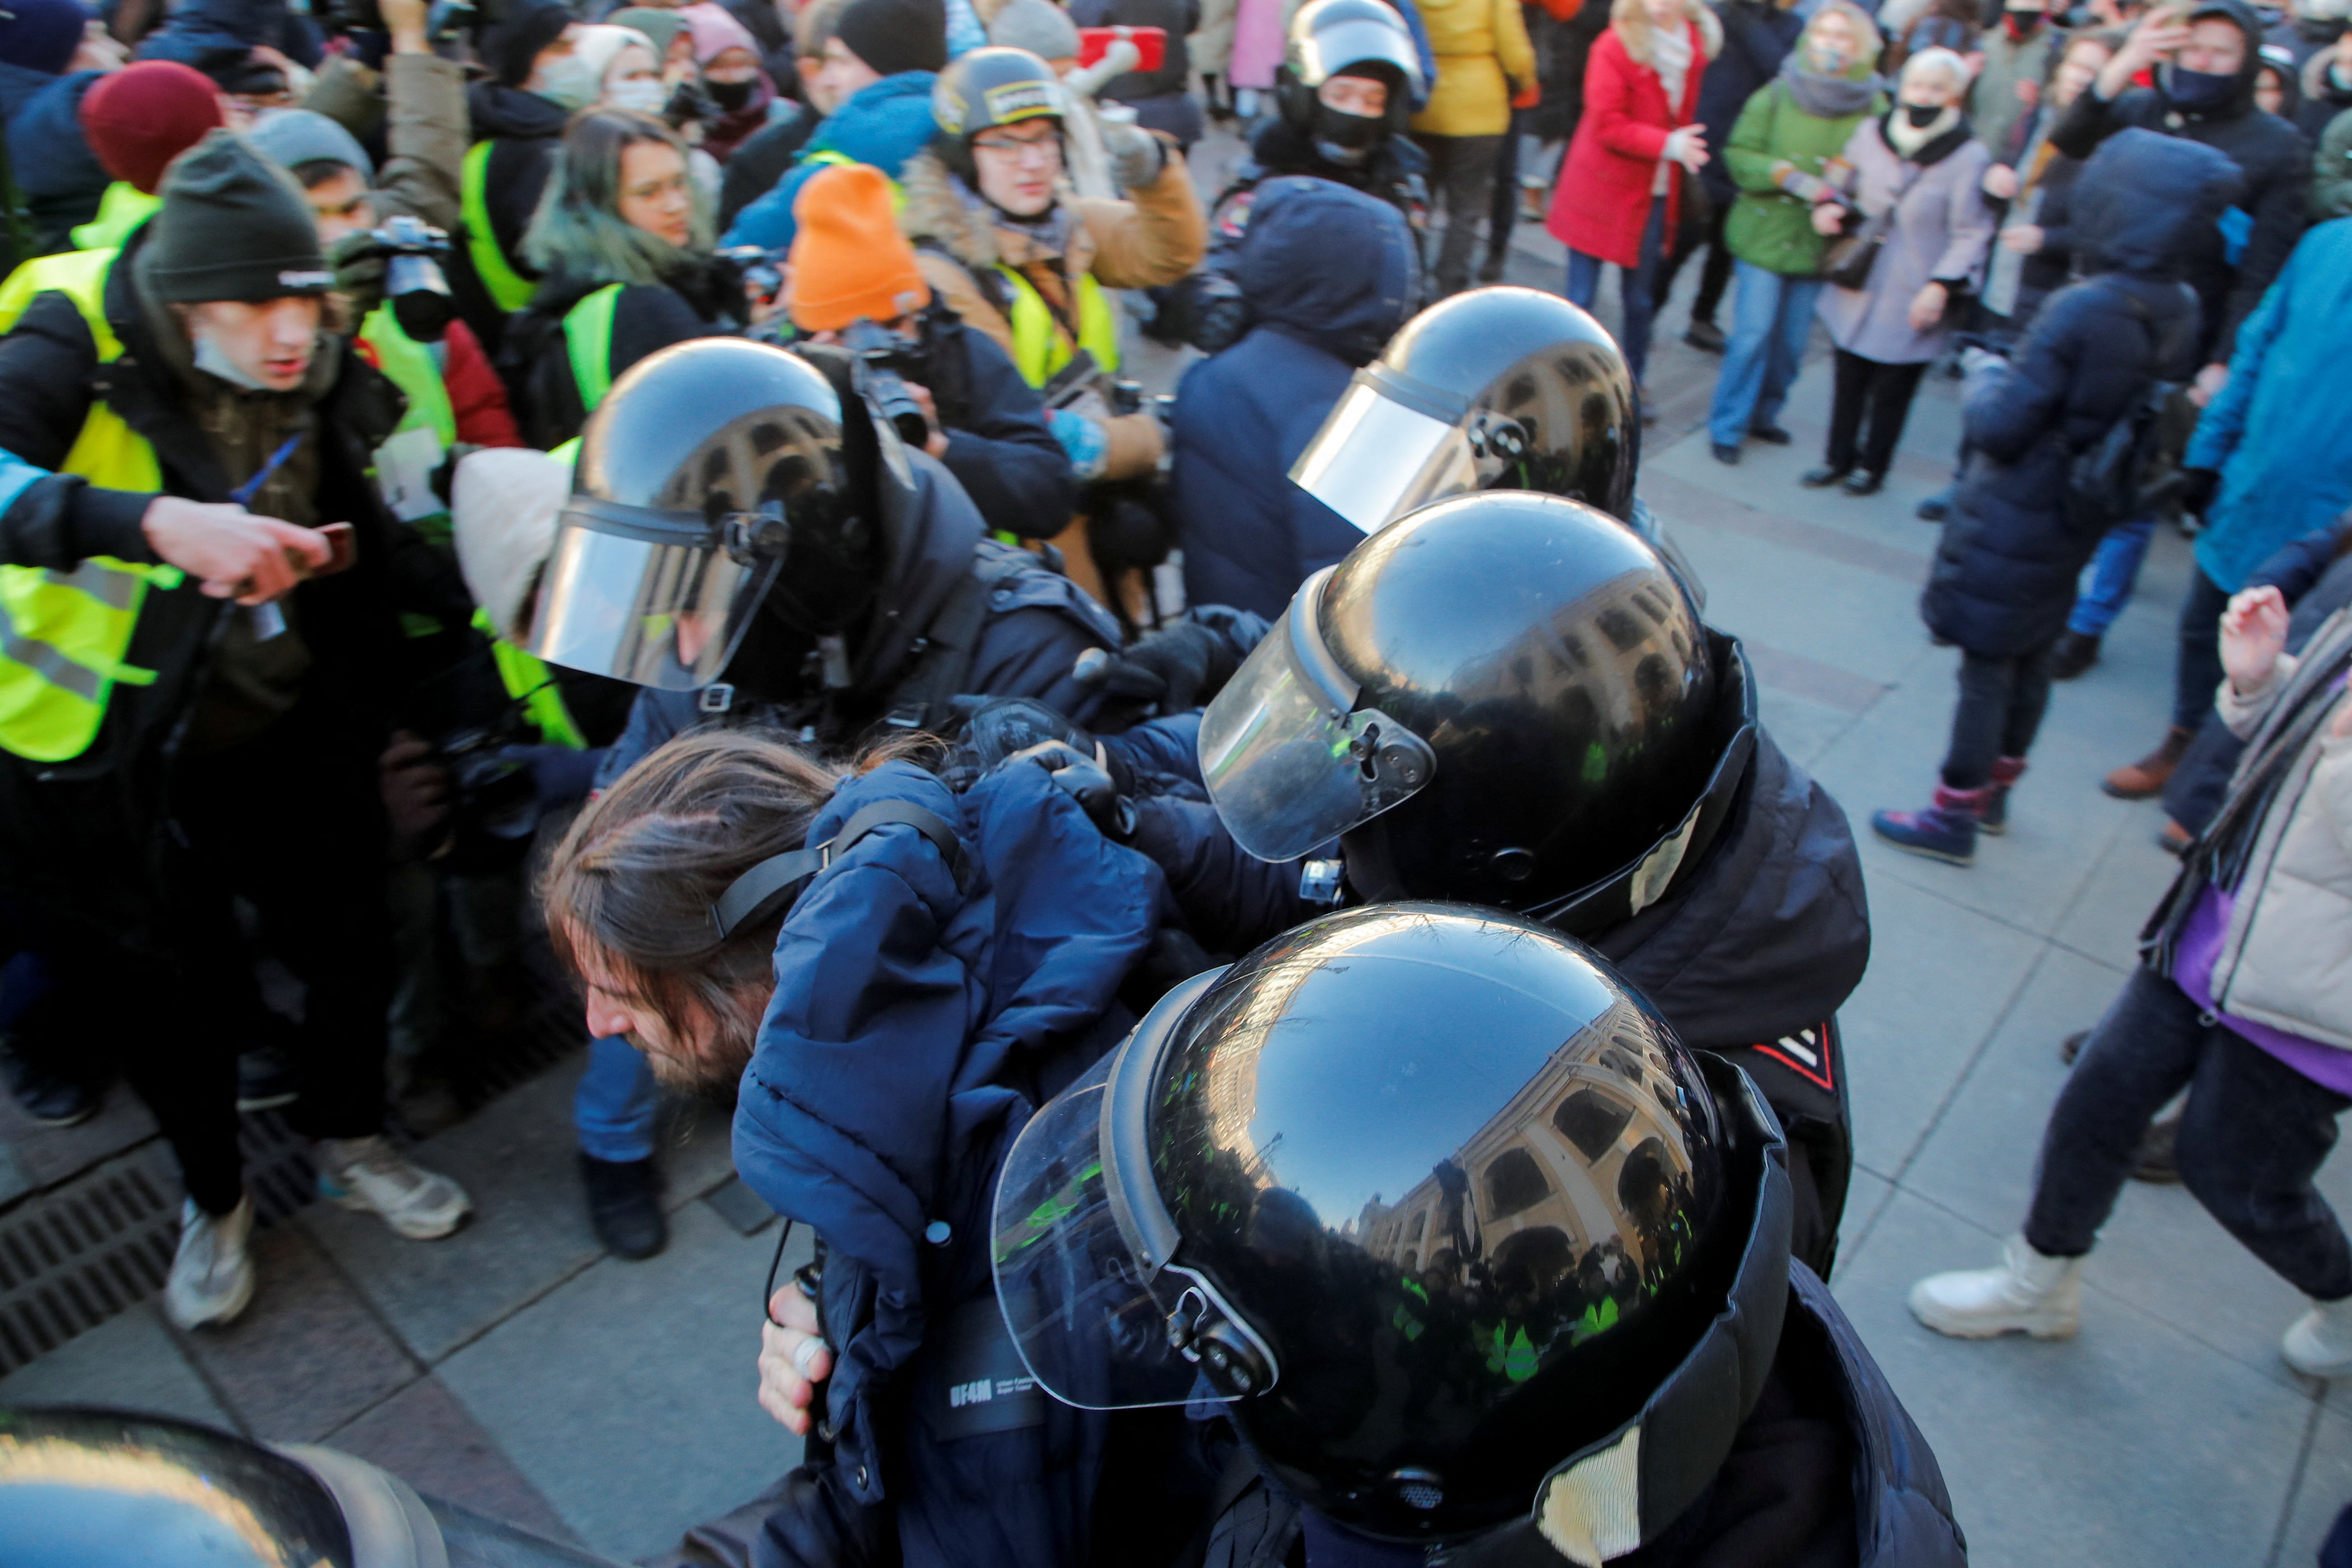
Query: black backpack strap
[[763, 891], [942, 656]]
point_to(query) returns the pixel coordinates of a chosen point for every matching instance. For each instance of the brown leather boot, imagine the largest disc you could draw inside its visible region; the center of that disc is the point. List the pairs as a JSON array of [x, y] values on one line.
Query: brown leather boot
[[2148, 775]]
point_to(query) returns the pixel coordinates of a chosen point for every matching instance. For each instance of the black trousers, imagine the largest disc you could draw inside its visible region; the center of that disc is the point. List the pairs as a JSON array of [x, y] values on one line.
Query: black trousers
[[2253, 1134], [2200, 672], [1462, 182], [1868, 406], [1713, 273], [290, 821], [2001, 703]]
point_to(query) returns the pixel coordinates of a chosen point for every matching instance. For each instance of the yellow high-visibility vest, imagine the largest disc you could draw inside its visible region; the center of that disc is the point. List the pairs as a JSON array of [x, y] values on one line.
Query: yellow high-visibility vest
[[588, 339], [64, 635], [1039, 347], [510, 290], [413, 368], [123, 208], [529, 682]]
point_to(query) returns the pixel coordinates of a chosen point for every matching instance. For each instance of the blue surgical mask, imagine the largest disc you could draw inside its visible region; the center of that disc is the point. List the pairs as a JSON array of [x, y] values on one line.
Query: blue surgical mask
[[2197, 91], [644, 94], [213, 361]]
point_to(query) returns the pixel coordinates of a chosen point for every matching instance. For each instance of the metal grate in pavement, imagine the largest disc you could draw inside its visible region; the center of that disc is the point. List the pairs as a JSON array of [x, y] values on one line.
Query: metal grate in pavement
[[92, 1246]]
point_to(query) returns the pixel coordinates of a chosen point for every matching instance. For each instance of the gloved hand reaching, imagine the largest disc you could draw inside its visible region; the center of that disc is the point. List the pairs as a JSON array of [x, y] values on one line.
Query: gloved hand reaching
[[1087, 780], [1137, 156], [1178, 668]]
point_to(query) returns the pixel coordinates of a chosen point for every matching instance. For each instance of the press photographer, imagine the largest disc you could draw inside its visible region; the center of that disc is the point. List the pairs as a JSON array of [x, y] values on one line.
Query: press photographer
[[853, 281]]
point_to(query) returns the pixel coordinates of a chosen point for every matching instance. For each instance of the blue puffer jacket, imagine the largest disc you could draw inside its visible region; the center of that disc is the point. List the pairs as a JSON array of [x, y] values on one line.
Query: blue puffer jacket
[[2003, 578], [916, 1025], [1328, 274], [883, 123], [60, 178], [214, 35], [2281, 431]]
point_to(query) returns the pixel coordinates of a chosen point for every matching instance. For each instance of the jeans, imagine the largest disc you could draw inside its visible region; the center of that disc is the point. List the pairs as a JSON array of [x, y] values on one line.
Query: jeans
[[2002, 704], [2200, 651], [1462, 181], [2114, 568], [1632, 288], [614, 1106], [2253, 1134], [1881, 391], [1772, 316]]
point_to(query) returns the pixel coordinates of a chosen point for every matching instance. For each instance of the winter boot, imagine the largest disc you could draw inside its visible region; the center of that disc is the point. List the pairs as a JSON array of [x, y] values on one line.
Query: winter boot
[[1946, 830], [2027, 1294], [2320, 1342], [1994, 817], [2147, 776], [624, 1205]]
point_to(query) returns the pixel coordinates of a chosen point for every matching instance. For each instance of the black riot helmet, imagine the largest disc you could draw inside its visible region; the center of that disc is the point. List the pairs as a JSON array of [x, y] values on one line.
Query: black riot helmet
[[1437, 1205], [717, 478], [1347, 37], [990, 87], [1494, 389], [1505, 698]]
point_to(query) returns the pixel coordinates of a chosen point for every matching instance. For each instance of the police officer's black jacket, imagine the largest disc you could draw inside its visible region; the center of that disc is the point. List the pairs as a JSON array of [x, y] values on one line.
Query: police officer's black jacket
[[86, 837], [1000, 447]]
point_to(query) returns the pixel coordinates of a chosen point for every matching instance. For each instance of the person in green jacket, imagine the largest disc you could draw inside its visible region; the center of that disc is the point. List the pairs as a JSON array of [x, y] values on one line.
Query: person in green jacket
[[1792, 127]]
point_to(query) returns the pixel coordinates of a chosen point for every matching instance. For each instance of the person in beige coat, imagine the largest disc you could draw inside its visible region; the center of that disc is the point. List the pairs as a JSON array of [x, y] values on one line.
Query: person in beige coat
[[2244, 998], [1484, 62]]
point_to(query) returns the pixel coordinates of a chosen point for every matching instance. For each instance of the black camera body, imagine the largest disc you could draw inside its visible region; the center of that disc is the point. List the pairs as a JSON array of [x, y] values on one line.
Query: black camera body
[[413, 280], [887, 360], [493, 799]]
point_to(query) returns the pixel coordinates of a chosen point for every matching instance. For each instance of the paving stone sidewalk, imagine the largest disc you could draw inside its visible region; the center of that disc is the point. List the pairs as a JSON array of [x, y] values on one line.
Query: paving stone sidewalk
[[513, 1369]]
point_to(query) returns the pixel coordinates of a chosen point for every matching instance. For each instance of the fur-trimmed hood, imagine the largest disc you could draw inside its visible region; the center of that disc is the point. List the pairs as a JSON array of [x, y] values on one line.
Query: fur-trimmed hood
[[1629, 20], [946, 212]]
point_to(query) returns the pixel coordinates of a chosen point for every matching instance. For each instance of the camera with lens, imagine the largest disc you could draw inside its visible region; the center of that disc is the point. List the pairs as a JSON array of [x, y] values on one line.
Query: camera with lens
[[493, 797], [887, 360], [413, 280]]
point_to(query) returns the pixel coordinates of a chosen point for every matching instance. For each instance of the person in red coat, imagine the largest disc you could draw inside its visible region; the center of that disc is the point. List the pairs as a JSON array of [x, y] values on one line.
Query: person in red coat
[[1621, 192]]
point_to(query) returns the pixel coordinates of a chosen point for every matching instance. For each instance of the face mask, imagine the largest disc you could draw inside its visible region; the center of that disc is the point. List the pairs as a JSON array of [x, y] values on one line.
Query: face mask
[[569, 83], [2196, 90], [730, 96], [641, 94], [1345, 139], [213, 361], [1922, 115]]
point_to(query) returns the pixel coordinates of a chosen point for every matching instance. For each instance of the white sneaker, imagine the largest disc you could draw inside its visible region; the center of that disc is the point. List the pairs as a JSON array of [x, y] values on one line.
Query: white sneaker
[[211, 1273], [2320, 1342], [2027, 1293], [371, 1175]]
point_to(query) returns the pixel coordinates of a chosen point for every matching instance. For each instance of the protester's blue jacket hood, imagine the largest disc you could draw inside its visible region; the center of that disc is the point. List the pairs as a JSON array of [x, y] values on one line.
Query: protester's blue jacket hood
[[214, 35], [916, 1023], [883, 123], [2144, 196], [47, 154]]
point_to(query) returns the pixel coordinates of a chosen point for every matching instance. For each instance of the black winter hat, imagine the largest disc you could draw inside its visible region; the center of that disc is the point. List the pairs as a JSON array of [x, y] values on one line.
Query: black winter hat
[[894, 35], [512, 46], [234, 225]]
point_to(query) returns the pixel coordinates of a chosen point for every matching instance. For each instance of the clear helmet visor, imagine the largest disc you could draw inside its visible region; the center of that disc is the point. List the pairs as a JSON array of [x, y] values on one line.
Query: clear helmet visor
[[1086, 1306], [1290, 761], [1326, 50], [644, 596], [1375, 459]]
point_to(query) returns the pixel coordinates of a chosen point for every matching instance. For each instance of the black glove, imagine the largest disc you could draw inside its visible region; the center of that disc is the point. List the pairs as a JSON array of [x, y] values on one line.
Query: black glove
[[1085, 781], [359, 265], [2196, 487], [1176, 669], [988, 730]]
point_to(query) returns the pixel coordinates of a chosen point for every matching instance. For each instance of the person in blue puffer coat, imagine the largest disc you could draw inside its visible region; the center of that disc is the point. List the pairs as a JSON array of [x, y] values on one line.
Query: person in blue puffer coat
[[58, 177], [1326, 275], [2003, 578], [890, 1022]]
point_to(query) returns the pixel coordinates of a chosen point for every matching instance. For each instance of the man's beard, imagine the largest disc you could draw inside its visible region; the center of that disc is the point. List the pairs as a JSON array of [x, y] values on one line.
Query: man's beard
[[711, 1070]]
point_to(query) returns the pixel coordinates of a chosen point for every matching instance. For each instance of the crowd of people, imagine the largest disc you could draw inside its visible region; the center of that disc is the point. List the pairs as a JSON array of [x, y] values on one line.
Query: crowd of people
[[547, 499]]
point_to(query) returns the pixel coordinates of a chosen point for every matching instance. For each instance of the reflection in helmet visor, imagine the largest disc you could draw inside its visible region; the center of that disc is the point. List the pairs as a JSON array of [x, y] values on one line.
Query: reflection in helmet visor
[[1375, 459], [1289, 761], [654, 598], [1324, 51]]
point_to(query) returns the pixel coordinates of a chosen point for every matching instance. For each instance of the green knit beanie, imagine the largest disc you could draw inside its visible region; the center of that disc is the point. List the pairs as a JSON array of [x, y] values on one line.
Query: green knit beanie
[[234, 225]]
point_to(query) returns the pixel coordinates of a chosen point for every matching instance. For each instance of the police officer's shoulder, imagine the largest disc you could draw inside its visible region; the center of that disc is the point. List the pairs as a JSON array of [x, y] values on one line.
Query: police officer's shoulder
[[1019, 579]]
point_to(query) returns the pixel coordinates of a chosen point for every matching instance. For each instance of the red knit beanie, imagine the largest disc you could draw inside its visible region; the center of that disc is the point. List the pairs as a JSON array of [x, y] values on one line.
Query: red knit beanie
[[139, 119]]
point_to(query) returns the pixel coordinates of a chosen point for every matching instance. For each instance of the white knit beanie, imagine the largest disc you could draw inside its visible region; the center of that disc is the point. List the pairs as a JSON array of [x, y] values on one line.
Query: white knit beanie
[[503, 505]]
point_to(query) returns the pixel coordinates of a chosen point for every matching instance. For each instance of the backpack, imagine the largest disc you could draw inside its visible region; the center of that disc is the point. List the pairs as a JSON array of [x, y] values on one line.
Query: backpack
[[2126, 471]]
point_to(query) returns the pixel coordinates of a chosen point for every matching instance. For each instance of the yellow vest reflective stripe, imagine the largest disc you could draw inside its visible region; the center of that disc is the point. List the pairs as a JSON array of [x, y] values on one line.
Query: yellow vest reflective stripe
[[123, 208], [529, 682], [1039, 347], [414, 369], [510, 290], [588, 339], [64, 635]]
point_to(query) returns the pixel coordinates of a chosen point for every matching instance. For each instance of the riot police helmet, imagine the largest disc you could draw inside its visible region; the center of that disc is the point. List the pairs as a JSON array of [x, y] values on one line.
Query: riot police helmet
[[1433, 1204], [1347, 37], [1499, 388], [1505, 698], [717, 479], [986, 88]]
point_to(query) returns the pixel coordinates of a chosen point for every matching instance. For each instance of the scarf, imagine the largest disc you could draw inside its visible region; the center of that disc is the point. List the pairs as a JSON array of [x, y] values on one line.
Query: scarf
[[1828, 97], [1670, 56], [1907, 139]]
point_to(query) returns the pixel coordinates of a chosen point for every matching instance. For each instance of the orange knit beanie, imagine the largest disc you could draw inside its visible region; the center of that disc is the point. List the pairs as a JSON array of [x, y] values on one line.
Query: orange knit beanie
[[848, 259]]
